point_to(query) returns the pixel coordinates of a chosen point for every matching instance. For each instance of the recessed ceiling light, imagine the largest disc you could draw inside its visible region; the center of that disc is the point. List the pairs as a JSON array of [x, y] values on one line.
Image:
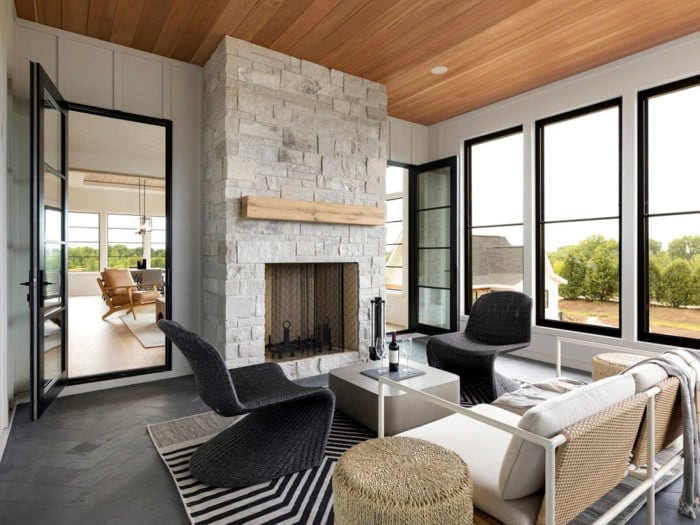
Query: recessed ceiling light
[[439, 70]]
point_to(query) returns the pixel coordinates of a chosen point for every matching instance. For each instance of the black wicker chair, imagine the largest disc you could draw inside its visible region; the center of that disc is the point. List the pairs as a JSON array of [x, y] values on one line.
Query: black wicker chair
[[285, 428], [499, 322]]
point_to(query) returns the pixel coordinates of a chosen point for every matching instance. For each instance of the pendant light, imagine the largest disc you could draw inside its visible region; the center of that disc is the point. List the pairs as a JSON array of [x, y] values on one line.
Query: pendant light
[[145, 223]]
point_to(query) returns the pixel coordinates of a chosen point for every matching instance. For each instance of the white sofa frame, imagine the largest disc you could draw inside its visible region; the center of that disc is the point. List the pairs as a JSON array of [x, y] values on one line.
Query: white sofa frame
[[550, 445]]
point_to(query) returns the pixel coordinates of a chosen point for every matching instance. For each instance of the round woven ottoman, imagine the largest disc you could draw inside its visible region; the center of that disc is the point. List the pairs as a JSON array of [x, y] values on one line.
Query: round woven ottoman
[[612, 363], [401, 480]]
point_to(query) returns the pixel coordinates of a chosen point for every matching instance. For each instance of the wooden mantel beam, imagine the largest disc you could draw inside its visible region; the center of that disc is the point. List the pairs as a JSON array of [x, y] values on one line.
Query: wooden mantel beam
[[271, 208]]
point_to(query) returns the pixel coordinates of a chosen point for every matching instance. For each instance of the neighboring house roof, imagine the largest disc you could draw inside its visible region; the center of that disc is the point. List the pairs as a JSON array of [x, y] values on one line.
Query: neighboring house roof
[[498, 264], [495, 262]]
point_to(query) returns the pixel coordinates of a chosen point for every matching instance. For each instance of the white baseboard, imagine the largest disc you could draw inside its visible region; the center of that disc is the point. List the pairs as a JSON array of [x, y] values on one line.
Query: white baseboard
[[5, 433]]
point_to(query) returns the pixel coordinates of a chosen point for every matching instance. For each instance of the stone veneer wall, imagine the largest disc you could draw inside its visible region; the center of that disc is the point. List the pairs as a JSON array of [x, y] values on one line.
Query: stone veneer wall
[[278, 126]]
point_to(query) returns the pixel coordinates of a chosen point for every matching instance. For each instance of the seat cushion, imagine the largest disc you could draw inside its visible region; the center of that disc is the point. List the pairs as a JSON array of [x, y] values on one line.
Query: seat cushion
[[117, 277], [120, 298], [522, 469], [482, 448], [144, 296]]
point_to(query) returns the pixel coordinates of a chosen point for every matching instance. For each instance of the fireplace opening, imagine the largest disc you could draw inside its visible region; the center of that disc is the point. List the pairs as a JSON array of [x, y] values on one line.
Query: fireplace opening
[[310, 309]]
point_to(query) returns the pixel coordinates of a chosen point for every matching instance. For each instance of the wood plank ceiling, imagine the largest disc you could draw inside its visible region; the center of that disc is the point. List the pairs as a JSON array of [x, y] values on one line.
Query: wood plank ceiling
[[494, 49]]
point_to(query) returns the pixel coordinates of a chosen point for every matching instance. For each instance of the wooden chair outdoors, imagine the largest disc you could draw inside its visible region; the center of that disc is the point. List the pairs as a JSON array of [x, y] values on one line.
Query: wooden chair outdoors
[[120, 292]]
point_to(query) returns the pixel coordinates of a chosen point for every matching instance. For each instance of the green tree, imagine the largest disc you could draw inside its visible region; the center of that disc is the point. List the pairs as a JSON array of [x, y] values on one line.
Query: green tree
[[601, 282], [677, 287], [655, 247], [685, 247], [574, 271], [654, 280]]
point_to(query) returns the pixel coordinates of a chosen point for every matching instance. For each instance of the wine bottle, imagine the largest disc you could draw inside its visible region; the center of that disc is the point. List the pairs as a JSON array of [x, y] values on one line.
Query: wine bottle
[[393, 354]]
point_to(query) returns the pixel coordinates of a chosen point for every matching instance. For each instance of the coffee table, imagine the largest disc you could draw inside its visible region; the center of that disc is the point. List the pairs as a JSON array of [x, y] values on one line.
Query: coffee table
[[356, 396]]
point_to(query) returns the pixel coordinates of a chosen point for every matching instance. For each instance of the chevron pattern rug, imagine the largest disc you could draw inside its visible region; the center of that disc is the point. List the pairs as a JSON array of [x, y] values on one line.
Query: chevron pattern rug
[[304, 497]]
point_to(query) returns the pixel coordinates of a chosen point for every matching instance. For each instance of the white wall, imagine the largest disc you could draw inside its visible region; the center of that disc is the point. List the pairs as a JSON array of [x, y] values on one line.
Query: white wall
[[6, 378], [659, 65], [408, 144], [98, 73]]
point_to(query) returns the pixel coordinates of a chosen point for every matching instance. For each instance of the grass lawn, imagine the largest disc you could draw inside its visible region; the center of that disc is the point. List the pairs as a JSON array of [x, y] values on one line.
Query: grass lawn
[[683, 322]]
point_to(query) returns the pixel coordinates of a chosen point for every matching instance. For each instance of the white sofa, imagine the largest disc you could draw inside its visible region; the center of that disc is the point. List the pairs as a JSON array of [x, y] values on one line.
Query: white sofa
[[560, 456]]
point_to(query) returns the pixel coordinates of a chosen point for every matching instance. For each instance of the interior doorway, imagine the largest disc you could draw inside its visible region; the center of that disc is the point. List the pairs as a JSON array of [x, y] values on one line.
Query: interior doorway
[[118, 195]]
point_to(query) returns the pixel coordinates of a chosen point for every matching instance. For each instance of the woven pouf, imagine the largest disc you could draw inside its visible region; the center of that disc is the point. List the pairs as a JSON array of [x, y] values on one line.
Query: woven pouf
[[401, 480], [612, 363]]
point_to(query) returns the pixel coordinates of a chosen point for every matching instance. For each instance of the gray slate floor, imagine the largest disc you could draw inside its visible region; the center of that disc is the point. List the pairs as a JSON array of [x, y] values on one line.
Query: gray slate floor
[[89, 460]]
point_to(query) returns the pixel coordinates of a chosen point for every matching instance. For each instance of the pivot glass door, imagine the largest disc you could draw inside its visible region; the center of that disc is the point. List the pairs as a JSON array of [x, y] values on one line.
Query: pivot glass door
[[47, 273], [433, 298]]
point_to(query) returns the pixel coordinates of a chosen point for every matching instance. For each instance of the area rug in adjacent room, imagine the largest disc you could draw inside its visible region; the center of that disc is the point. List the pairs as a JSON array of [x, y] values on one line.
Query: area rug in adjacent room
[[144, 328], [303, 497]]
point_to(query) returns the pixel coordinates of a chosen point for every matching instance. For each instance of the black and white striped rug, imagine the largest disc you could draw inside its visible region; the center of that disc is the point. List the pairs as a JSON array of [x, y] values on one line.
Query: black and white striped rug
[[304, 497]]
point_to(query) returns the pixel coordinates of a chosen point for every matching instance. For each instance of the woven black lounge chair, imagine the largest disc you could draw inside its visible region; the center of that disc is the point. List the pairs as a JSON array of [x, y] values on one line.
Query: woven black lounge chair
[[285, 428], [499, 322]]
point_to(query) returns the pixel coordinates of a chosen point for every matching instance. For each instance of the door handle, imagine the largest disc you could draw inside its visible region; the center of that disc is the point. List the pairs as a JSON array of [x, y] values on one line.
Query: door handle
[[46, 283], [27, 283]]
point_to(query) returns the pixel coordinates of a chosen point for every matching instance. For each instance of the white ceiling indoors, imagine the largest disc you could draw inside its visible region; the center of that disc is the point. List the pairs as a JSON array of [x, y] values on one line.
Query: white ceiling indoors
[[113, 146]]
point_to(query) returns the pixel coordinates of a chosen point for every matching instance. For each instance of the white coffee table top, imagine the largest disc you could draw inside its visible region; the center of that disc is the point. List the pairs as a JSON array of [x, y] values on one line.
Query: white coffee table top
[[432, 377]]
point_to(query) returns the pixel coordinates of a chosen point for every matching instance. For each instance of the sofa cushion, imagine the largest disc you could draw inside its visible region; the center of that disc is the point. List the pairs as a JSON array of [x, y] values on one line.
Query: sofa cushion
[[646, 376], [522, 469], [530, 394], [482, 448]]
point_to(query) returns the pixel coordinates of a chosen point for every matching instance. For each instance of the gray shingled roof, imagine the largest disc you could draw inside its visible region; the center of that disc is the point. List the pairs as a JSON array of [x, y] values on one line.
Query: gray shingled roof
[[495, 261]]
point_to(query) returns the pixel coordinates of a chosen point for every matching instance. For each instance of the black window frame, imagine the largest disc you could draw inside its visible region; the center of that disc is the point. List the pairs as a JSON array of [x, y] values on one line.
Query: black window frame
[[468, 144], [643, 332], [541, 223]]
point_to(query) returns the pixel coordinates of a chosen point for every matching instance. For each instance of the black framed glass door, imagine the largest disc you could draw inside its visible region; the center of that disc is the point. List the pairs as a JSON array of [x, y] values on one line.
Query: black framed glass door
[[433, 210], [47, 272]]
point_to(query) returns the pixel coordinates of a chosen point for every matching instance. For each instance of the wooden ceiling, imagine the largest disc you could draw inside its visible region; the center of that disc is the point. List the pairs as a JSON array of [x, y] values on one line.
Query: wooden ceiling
[[494, 49]]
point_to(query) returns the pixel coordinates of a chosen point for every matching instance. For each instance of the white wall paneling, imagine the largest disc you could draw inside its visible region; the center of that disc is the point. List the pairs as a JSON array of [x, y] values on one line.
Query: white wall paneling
[[6, 20], [141, 86], [86, 72]]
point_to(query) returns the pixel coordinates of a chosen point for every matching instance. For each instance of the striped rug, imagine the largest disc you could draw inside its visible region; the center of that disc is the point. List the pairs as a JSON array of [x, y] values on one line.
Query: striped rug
[[303, 497]]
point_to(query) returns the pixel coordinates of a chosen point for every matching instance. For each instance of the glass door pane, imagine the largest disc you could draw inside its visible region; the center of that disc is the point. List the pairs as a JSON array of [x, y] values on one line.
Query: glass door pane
[[47, 290], [434, 254]]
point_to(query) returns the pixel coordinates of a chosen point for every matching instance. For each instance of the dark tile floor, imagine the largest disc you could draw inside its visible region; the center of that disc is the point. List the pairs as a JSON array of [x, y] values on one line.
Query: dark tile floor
[[89, 460]]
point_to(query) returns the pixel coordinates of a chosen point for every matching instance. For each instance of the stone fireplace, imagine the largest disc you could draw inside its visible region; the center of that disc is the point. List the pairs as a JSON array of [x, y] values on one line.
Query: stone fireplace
[[278, 127], [310, 309]]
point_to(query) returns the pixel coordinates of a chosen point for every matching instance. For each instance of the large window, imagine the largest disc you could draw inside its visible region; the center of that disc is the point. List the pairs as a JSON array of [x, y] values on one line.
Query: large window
[[395, 199], [578, 219], [83, 242], [669, 214], [124, 244], [157, 238], [494, 213]]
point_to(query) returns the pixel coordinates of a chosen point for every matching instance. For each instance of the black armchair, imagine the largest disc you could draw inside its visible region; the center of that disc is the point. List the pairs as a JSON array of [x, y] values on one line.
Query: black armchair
[[285, 427], [499, 322]]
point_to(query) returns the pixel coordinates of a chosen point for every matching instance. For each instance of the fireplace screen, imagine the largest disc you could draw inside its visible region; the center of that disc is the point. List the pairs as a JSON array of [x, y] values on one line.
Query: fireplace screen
[[310, 308]]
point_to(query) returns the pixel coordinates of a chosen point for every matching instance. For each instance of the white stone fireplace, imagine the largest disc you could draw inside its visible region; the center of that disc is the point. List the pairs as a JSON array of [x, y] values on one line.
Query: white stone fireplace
[[276, 126]]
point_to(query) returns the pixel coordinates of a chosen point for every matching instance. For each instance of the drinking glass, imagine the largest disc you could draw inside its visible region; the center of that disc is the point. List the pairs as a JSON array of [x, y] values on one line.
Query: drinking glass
[[380, 349], [406, 347]]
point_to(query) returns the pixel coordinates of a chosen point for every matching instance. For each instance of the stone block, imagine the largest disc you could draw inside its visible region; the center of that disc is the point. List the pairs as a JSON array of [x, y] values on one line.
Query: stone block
[[240, 169], [299, 139], [341, 106], [291, 156], [266, 80], [315, 71], [257, 148], [290, 82], [297, 193], [270, 251], [258, 129]]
